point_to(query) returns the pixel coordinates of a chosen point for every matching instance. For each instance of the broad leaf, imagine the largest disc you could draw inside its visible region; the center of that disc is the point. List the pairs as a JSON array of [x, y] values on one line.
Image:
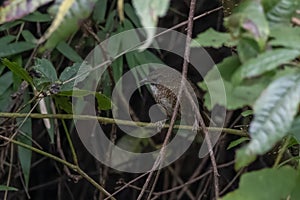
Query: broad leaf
[[237, 96], [283, 11], [46, 71], [249, 21], [212, 38], [289, 38], [275, 184], [274, 112], [267, 61]]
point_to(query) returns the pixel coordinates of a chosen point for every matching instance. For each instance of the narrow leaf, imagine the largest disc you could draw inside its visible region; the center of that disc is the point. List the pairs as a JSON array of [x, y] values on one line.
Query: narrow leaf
[[4, 187], [17, 70], [15, 48], [69, 52]]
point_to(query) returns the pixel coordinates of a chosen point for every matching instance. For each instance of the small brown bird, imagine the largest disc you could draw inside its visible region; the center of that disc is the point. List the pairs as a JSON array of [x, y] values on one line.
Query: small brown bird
[[165, 85]]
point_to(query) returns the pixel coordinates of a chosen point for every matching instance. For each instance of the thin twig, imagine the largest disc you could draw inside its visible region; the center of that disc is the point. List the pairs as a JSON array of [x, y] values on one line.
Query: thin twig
[[64, 162]]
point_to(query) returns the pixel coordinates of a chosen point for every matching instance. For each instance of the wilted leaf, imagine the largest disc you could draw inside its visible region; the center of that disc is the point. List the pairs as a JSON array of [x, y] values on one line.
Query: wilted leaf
[[16, 9], [69, 14]]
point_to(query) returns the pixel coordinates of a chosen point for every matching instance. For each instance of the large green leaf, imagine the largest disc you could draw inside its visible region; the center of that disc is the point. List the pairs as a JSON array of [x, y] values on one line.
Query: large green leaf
[[69, 14], [212, 38], [274, 112], [275, 184], [15, 9], [266, 62], [148, 11], [46, 71], [248, 20], [283, 11], [290, 37], [237, 95]]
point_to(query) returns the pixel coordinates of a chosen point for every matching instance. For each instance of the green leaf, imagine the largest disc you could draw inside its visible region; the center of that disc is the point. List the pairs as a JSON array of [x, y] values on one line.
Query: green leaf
[[23, 153], [148, 11], [17, 70], [46, 70], [247, 113], [28, 36], [16, 48], [267, 61], [104, 103], [37, 17], [78, 70], [237, 96], [68, 17], [212, 38], [249, 21], [289, 38], [6, 81], [6, 39], [247, 48], [295, 129], [63, 103], [275, 184], [16, 9], [237, 142], [4, 187], [274, 112], [283, 11], [99, 11], [130, 12], [68, 52]]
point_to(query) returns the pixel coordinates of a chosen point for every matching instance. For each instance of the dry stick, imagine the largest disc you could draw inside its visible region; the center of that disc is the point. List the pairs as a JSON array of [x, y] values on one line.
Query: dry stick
[[64, 162], [179, 180], [193, 180], [232, 181], [126, 185], [198, 115], [160, 158], [195, 174]]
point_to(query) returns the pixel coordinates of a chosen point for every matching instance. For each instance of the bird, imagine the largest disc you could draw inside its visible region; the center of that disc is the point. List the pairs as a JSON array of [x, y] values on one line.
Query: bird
[[165, 84]]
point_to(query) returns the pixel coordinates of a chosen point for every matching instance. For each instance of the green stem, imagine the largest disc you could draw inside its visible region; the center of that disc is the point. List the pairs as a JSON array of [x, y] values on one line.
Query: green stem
[[75, 159], [281, 152], [106, 120], [70, 165]]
